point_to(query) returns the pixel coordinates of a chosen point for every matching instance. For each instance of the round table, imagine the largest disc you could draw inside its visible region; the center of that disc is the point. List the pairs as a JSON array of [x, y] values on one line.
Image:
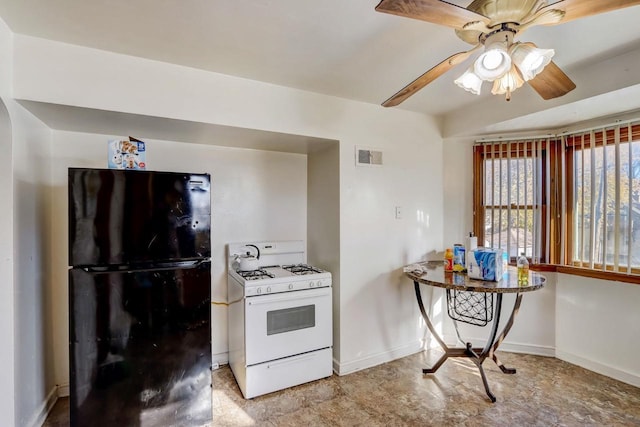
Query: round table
[[472, 301]]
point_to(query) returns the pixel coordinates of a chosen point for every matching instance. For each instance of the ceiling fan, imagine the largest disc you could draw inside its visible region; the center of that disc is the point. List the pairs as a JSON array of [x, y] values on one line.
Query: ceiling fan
[[494, 24]]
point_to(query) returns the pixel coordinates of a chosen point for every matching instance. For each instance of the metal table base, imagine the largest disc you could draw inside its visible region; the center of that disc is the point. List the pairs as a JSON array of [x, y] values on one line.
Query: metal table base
[[477, 355]]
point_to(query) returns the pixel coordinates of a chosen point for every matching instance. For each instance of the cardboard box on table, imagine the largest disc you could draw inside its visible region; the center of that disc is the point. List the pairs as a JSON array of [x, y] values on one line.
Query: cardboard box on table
[[487, 264], [126, 154]]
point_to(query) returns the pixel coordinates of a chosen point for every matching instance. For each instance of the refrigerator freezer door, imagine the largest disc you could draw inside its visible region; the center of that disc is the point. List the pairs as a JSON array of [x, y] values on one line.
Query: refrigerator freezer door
[[140, 347], [123, 217]]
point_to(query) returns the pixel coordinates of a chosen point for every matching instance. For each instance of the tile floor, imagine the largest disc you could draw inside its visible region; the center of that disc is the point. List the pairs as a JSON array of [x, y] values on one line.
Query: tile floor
[[545, 392]]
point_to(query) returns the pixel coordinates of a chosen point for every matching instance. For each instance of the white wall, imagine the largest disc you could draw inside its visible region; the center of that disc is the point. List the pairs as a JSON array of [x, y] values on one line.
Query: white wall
[[7, 404], [32, 276], [26, 337], [255, 195], [323, 223], [458, 190], [378, 315], [598, 326]]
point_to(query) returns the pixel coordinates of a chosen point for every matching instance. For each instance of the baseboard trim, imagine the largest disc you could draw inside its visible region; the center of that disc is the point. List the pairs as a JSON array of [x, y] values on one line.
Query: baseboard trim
[[220, 358], [606, 370], [377, 359], [536, 350], [63, 390], [511, 347], [41, 413]]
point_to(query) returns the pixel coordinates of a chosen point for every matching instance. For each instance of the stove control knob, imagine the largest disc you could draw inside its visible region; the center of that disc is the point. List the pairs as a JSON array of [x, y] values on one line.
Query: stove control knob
[[259, 290], [311, 284], [290, 285], [269, 289]]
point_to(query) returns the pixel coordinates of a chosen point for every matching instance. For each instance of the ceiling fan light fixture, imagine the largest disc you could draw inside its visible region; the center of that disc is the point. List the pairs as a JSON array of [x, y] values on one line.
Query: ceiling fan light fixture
[[529, 59], [495, 61], [492, 64], [508, 83], [469, 81]]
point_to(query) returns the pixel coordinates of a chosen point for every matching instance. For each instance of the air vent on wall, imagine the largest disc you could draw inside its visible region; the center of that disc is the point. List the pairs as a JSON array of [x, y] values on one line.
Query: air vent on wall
[[368, 157]]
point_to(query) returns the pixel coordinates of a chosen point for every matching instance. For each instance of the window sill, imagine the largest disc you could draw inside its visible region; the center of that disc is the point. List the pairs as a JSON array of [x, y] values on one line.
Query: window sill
[[585, 272]]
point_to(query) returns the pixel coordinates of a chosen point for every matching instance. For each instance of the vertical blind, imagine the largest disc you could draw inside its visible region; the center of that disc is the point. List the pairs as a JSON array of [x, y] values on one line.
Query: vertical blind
[[604, 197], [514, 173], [569, 199]]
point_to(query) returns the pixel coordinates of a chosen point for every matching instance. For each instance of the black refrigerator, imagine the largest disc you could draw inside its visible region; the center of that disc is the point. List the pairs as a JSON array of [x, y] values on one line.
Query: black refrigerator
[[139, 298]]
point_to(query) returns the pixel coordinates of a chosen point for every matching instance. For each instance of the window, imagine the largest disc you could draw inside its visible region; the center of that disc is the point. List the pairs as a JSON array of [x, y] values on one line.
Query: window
[[510, 198], [572, 199], [603, 210]]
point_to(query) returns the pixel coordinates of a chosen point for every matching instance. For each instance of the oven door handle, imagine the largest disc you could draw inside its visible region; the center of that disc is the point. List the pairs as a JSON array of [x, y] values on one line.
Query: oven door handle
[[289, 296]]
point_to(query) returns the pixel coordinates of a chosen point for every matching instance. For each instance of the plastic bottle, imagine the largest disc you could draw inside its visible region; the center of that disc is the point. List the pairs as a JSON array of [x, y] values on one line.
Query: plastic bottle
[[523, 269], [458, 258], [471, 242], [448, 260]]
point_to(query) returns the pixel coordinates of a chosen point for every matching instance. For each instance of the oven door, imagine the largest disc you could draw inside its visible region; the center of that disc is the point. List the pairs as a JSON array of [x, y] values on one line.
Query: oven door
[[287, 324]]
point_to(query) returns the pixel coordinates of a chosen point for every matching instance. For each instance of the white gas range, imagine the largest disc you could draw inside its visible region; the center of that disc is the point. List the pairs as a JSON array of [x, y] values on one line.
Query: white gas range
[[280, 317]]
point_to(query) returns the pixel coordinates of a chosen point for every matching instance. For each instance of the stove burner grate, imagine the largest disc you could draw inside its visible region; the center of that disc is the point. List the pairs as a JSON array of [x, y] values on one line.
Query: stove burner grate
[[255, 274], [301, 269]]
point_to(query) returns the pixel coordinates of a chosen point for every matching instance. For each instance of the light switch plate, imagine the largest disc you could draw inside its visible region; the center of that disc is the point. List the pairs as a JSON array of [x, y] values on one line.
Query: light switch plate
[[398, 212]]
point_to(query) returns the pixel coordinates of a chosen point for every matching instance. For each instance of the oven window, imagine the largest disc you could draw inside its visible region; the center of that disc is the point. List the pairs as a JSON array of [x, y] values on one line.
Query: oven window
[[291, 319]]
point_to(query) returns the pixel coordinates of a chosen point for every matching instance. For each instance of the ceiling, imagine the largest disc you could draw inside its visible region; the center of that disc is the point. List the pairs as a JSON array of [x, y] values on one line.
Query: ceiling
[[342, 48]]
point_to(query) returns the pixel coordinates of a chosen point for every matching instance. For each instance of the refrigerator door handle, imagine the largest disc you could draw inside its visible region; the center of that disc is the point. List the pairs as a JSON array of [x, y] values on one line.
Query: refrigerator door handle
[[169, 265], [172, 265]]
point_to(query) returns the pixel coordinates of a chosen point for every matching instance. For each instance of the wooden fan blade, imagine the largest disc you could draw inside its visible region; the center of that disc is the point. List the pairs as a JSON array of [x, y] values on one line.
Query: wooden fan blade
[[434, 11], [552, 82], [545, 17], [576, 9], [428, 77]]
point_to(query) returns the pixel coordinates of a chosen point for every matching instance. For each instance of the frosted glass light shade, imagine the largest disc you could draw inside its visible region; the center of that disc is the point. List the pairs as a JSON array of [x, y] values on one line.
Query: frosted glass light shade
[[507, 83], [469, 81], [494, 62], [529, 59]]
